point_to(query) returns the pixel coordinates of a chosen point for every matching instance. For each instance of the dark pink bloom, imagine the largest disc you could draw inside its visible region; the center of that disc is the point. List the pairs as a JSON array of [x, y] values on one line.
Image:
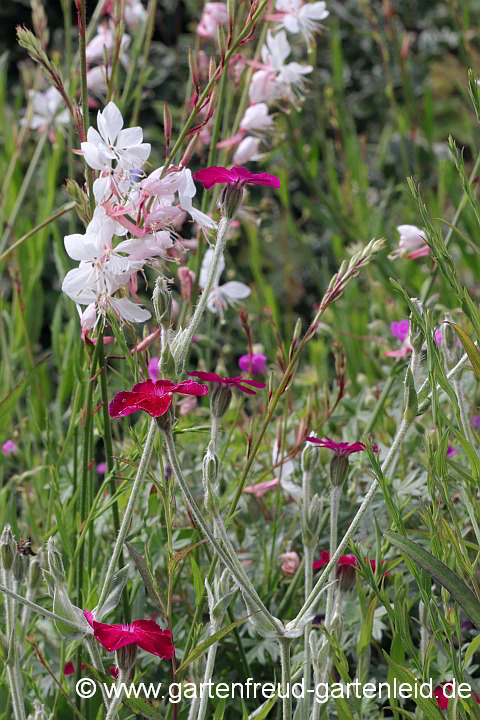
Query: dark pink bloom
[[342, 448], [343, 560], [101, 467], [144, 633], [400, 329], [9, 447], [114, 671], [256, 361], [236, 381], [219, 175], [476, 421], [153, 397], [451, 451], [69, 668], [443, 698]]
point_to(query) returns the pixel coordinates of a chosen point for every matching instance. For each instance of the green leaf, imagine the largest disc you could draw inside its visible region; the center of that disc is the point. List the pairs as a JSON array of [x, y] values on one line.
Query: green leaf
[[136, 705], [427, 705], [220, 709], [261, 712], [149, 581], [197, 580], [13, 397], [366, 631], [440, 572], [472, 649], [200, 649], [471, 350]]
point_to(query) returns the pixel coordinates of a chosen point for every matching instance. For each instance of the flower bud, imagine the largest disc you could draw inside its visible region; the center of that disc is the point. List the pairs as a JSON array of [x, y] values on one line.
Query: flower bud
[[125, 658], [34, 573], [55, 562], [162, 302], [165, 421], [310, 458], [411, 401], [231, 200], [20, 567], [338, 469], [8, 548], [210, 472], [449, 336], [220, 399]]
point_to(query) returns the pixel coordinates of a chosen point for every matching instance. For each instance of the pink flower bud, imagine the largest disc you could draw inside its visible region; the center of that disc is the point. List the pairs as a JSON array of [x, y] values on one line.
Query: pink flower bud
[[290, 562]]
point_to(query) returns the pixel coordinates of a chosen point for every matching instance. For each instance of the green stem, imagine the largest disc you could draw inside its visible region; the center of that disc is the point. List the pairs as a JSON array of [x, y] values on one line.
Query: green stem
[[146, 50], [335, 495], [23, 189], [122, 534], [37, 608], [286, 678], [84, 89], [107, 439]]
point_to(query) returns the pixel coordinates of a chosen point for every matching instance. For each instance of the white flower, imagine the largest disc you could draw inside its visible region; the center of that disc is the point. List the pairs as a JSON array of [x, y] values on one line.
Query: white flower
[[97, 80], [276, 50], [221, 295], [302, 17], [135, 13], [285, 472], [46, 106], [256, 118], [263, 87], [277, 80], [412, 239], [111, 142], [105, 39], [247, 150]]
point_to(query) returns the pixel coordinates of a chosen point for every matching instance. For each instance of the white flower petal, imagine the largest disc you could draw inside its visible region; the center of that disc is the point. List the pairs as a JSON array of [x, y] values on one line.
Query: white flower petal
[[235, 290], [110, 122], [79, 284], [129, 311], [130, 136]]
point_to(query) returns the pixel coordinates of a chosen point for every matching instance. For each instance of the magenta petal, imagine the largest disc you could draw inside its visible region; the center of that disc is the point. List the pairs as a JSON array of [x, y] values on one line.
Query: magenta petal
[[213, 175], [242, 173], [189, 387], [207, 376]]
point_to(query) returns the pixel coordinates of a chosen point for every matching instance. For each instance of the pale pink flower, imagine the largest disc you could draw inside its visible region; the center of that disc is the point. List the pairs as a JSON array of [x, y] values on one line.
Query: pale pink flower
[[290, 562], [186, 278], [105, 40], [260, 489], [9, 447], [214, 13], [256, 118], [134, 14], [274, 78], [299, 17], [48, 110], [221, 295], [247, 151], [411, 243]]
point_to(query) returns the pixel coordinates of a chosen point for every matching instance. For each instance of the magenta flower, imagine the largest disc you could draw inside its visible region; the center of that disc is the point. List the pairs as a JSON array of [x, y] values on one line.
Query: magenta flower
[[235, 382], [114, 671], [400, 329], [237, 175], [445, 692], [153, 397], [144, 633], [101, 467], [342, 448], [451, 451], [476, 422], [9, 447], [69, 668], [257, 361], [153, 369]]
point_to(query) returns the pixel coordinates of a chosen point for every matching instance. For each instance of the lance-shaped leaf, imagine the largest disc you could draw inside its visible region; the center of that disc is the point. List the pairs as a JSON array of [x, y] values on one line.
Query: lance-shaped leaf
[[200, 649], [426, 704], [113, 597], [470, 348], [440, 572]]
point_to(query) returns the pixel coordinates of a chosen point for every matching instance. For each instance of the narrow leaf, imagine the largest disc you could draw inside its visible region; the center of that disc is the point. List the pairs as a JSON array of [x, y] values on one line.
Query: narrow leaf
[[471, 350], [200, 649], [440, 572]]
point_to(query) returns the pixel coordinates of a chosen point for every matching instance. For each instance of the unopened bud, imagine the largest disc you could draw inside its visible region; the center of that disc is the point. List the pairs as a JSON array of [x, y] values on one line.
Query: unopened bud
[[295, 338], [193, 69], [165, 421], [20, 567], [186, 279], [8, 548], [221, 40], [411, 400], [231, 199], [212, 69], [167, 122], [55, 562], [162, 302], [125, 658], [449, 336], [310, 458], [338, 469], [34, 573], [220, 399], [210, 472]]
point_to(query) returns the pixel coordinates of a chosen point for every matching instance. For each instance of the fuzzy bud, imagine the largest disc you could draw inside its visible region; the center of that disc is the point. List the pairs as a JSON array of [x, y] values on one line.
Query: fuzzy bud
[[310, 458], [220, 400], [162, 302], [20, 568], [55, 562], [449, 336], [411, 400], [338, 469], [165, 421], [8, 548], [125, 658], [231, 199], [210, 472]]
